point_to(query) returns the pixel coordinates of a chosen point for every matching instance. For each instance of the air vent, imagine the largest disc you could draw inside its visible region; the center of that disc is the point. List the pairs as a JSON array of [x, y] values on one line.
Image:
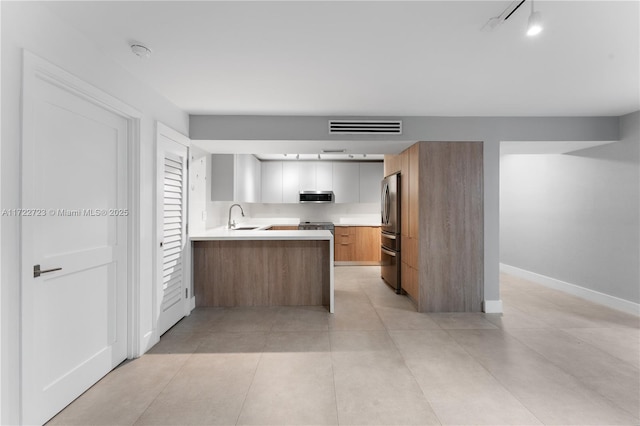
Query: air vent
[[365, 127]]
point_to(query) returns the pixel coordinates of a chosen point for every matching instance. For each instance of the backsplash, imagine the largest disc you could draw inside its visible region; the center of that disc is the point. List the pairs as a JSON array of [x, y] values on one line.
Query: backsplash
[[369, 213]]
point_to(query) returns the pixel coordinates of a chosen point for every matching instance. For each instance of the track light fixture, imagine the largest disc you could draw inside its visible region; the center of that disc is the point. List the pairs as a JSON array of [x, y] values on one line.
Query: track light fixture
[[535, 23], [534, 26]]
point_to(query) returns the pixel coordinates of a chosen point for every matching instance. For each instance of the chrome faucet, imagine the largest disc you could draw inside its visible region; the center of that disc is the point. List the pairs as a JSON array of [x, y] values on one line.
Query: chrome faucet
[[231, 225]]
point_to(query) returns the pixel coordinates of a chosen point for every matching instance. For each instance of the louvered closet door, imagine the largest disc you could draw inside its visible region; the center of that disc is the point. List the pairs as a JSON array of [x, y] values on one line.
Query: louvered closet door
[[172, 259]]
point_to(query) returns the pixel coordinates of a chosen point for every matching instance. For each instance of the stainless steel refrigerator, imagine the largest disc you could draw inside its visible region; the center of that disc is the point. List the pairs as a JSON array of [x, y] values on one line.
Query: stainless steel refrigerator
[[390, 231]]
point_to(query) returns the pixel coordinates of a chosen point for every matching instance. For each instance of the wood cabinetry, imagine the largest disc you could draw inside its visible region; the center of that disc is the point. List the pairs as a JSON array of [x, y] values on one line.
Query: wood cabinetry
[[357, 244], [345, 243], [442, 225], [262, 273], [392, 164]]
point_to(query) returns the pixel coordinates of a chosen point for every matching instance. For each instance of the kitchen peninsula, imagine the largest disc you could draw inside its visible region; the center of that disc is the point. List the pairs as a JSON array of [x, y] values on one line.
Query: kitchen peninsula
[[262, 267]]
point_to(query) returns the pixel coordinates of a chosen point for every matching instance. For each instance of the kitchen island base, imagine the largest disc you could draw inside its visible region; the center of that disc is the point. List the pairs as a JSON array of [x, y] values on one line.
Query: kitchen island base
[[262, 273]]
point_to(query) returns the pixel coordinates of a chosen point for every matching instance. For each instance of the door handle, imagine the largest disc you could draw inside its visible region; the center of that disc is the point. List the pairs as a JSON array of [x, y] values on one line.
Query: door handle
[[388, 252], [37, 271]]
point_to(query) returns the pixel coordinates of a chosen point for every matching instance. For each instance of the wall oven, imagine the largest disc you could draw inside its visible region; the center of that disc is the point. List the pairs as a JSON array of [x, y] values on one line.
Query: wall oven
[[390, 232]]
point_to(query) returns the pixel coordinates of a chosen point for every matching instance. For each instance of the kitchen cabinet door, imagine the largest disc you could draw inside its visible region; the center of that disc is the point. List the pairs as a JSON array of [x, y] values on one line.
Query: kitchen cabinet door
[[324, 176], [307, 176], [346, 182], [367, 243], [272, 181], [247, 179], [370, 178], [344, 243], [222, 176], [290, 182]]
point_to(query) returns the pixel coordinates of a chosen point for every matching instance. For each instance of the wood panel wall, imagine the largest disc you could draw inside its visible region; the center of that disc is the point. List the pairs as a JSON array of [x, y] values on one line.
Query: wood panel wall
[[451, 223]]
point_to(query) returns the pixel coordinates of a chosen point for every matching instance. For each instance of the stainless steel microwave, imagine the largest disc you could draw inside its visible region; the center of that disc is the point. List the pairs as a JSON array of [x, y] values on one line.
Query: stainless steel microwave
[[317, 197]]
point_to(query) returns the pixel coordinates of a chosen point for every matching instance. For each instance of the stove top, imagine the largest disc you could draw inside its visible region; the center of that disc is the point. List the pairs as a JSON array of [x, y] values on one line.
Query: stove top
[[307, 226]]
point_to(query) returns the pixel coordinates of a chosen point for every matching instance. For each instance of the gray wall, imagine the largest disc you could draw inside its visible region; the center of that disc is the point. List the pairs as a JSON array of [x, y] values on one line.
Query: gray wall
[[490, 130], [575, 216]]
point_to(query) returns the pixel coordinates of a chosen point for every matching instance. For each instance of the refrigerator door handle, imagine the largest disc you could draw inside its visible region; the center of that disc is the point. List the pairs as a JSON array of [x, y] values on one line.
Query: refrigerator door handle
[[387, 203], [389, 252], [383, 203]]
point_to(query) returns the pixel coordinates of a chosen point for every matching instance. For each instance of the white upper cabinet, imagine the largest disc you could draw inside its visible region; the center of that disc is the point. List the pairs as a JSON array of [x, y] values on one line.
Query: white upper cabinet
[[315, 175], [371, 175], [235, 177], [324, 176], [346, 182], [290, 182], [247, 184], [272, 182], [307, 176], [222, 176]]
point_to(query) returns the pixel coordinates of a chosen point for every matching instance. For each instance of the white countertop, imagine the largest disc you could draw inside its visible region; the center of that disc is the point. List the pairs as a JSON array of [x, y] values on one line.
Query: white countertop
[[218, 234]]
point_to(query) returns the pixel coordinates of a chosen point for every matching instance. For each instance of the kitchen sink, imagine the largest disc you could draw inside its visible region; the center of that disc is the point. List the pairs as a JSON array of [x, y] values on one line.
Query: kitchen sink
[[245, 228]]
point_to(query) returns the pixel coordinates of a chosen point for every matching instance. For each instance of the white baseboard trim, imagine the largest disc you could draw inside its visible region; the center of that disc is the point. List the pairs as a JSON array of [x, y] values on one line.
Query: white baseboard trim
[[576, 290], [492, 306]]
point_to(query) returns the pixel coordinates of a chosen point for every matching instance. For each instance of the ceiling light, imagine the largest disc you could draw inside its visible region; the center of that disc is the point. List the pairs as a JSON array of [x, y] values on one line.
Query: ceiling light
[[535, 22], [333, 151], [141, 50]]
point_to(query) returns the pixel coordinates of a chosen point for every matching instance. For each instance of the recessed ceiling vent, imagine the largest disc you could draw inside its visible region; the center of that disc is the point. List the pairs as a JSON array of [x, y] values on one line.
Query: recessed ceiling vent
[[365, 127]]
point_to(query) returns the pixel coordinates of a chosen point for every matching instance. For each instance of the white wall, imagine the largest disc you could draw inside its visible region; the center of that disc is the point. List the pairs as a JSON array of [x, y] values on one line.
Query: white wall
[[575, 217], [360, 213], [199, 189], [30, 26]]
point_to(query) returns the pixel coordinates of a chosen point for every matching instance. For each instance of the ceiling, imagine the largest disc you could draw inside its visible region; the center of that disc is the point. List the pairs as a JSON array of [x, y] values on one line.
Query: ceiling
[[393, 58]]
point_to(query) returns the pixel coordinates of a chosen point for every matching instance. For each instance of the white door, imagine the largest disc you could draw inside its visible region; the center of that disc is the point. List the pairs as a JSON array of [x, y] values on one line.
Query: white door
[[74, 178], [173, 262]]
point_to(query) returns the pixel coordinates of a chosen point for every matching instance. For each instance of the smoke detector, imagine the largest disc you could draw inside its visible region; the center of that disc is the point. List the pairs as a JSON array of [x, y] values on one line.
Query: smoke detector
[[140, 50]]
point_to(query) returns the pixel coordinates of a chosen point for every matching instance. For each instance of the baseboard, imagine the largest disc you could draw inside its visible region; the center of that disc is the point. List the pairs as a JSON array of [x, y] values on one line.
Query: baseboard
[[492, 306], [576, 290]]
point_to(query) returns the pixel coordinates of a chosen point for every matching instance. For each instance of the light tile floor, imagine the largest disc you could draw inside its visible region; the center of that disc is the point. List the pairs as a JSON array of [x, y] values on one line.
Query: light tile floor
[[549, 359]]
